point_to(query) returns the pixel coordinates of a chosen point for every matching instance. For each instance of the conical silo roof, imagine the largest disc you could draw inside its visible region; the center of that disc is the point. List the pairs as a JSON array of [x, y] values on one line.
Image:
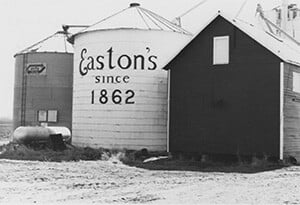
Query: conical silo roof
[[56, 42], [135, 17]]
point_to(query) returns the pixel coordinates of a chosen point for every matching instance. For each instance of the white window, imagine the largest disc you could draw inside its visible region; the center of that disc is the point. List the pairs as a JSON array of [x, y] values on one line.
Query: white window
[[221, 50], [296, 82], [47, 116], [52, 115], [42, 115]]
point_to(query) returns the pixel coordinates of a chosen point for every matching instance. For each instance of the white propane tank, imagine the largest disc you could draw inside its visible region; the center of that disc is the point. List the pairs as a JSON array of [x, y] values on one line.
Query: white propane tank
[[25, 135]]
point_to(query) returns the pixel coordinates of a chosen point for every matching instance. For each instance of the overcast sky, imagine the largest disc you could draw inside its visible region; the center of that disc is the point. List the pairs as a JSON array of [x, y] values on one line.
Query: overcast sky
[[24, 22]]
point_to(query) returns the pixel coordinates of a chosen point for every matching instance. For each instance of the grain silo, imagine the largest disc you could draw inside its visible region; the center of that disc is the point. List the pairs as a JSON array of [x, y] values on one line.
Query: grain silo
[[43, 83], [120, 89]]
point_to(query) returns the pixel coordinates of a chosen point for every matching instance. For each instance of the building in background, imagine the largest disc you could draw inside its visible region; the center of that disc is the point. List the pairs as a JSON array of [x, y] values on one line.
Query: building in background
[[120, 91], [287, 18], [43, 84]]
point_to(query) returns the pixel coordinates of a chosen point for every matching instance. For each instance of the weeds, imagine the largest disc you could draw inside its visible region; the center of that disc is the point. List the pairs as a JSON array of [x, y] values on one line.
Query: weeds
[[22, 152], [208, 163], [175, 161]]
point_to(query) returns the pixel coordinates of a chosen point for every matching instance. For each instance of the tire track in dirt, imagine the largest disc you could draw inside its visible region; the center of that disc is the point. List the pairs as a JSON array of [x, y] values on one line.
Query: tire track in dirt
[[112, 182]]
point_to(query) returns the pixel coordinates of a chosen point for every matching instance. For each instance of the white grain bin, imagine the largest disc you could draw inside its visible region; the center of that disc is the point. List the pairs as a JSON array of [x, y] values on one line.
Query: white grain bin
[[43, 83], [120, 89]]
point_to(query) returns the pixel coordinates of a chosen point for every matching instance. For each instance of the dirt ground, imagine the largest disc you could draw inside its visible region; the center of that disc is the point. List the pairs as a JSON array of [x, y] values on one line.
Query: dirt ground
[[86, 182]]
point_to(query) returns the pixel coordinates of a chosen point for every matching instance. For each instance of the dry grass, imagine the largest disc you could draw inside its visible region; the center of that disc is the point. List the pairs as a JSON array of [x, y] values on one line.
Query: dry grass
[[5, 129], [136, 158], [207, 164], [22, 152]]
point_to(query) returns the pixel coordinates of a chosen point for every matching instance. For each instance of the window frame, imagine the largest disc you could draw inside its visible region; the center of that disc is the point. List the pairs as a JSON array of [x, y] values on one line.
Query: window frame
[[215, 50]]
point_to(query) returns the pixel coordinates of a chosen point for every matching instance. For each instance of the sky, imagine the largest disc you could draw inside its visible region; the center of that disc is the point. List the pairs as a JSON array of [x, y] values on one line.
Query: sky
[[25, 22]]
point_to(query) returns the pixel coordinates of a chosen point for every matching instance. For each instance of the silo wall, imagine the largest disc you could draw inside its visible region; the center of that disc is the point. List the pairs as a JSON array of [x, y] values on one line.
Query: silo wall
[[120, 89], [49, 90]]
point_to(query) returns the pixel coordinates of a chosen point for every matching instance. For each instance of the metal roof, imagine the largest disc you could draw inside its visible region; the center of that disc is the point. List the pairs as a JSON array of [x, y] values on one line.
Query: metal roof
[[135, 17], [285, 49], [56, 42]]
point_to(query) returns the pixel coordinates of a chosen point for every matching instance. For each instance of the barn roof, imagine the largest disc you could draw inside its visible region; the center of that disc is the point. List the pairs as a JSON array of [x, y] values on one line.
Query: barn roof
[[285, 49], [135, 17]]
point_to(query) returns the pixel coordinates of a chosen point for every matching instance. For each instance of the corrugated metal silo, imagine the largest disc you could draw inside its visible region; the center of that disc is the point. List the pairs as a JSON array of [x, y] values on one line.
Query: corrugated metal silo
[[120, 89], [43, 83]]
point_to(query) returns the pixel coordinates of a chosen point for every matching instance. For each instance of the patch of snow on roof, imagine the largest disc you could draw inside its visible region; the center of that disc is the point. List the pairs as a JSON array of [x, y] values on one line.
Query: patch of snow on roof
[[135, 17], [54, 43]]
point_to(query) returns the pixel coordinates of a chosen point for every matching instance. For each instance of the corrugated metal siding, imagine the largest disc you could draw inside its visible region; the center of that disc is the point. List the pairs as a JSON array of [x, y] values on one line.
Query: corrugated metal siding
[[52, 91], [131, 126], [225, 109], [291, 114]]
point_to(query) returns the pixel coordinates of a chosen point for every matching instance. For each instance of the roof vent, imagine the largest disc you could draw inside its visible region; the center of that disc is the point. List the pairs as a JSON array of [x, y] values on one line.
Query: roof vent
[[134, 4]]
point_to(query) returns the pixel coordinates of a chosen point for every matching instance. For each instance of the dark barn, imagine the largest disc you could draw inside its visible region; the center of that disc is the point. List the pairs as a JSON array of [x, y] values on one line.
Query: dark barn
[[234, 90]]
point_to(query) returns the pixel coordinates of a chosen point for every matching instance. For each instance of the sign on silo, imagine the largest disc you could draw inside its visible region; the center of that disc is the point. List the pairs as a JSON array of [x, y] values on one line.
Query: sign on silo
[[36, 69]]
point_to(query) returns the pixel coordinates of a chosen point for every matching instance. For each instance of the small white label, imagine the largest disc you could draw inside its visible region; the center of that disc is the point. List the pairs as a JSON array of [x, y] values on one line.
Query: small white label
[[42, 115], [52, 115]]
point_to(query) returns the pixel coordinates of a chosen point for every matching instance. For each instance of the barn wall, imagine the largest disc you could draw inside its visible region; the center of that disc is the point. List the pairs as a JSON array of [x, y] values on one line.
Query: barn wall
[[225, 109], [291, 114]]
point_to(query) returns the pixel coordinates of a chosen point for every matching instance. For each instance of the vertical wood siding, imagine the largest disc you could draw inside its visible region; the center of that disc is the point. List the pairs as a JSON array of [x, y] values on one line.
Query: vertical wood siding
[[291, 114], [225, 109]]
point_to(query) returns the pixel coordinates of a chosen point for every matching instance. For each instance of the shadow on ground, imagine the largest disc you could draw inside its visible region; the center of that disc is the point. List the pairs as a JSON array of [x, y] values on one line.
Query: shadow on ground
[[136, 159], [205, 163], [181, 165]]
